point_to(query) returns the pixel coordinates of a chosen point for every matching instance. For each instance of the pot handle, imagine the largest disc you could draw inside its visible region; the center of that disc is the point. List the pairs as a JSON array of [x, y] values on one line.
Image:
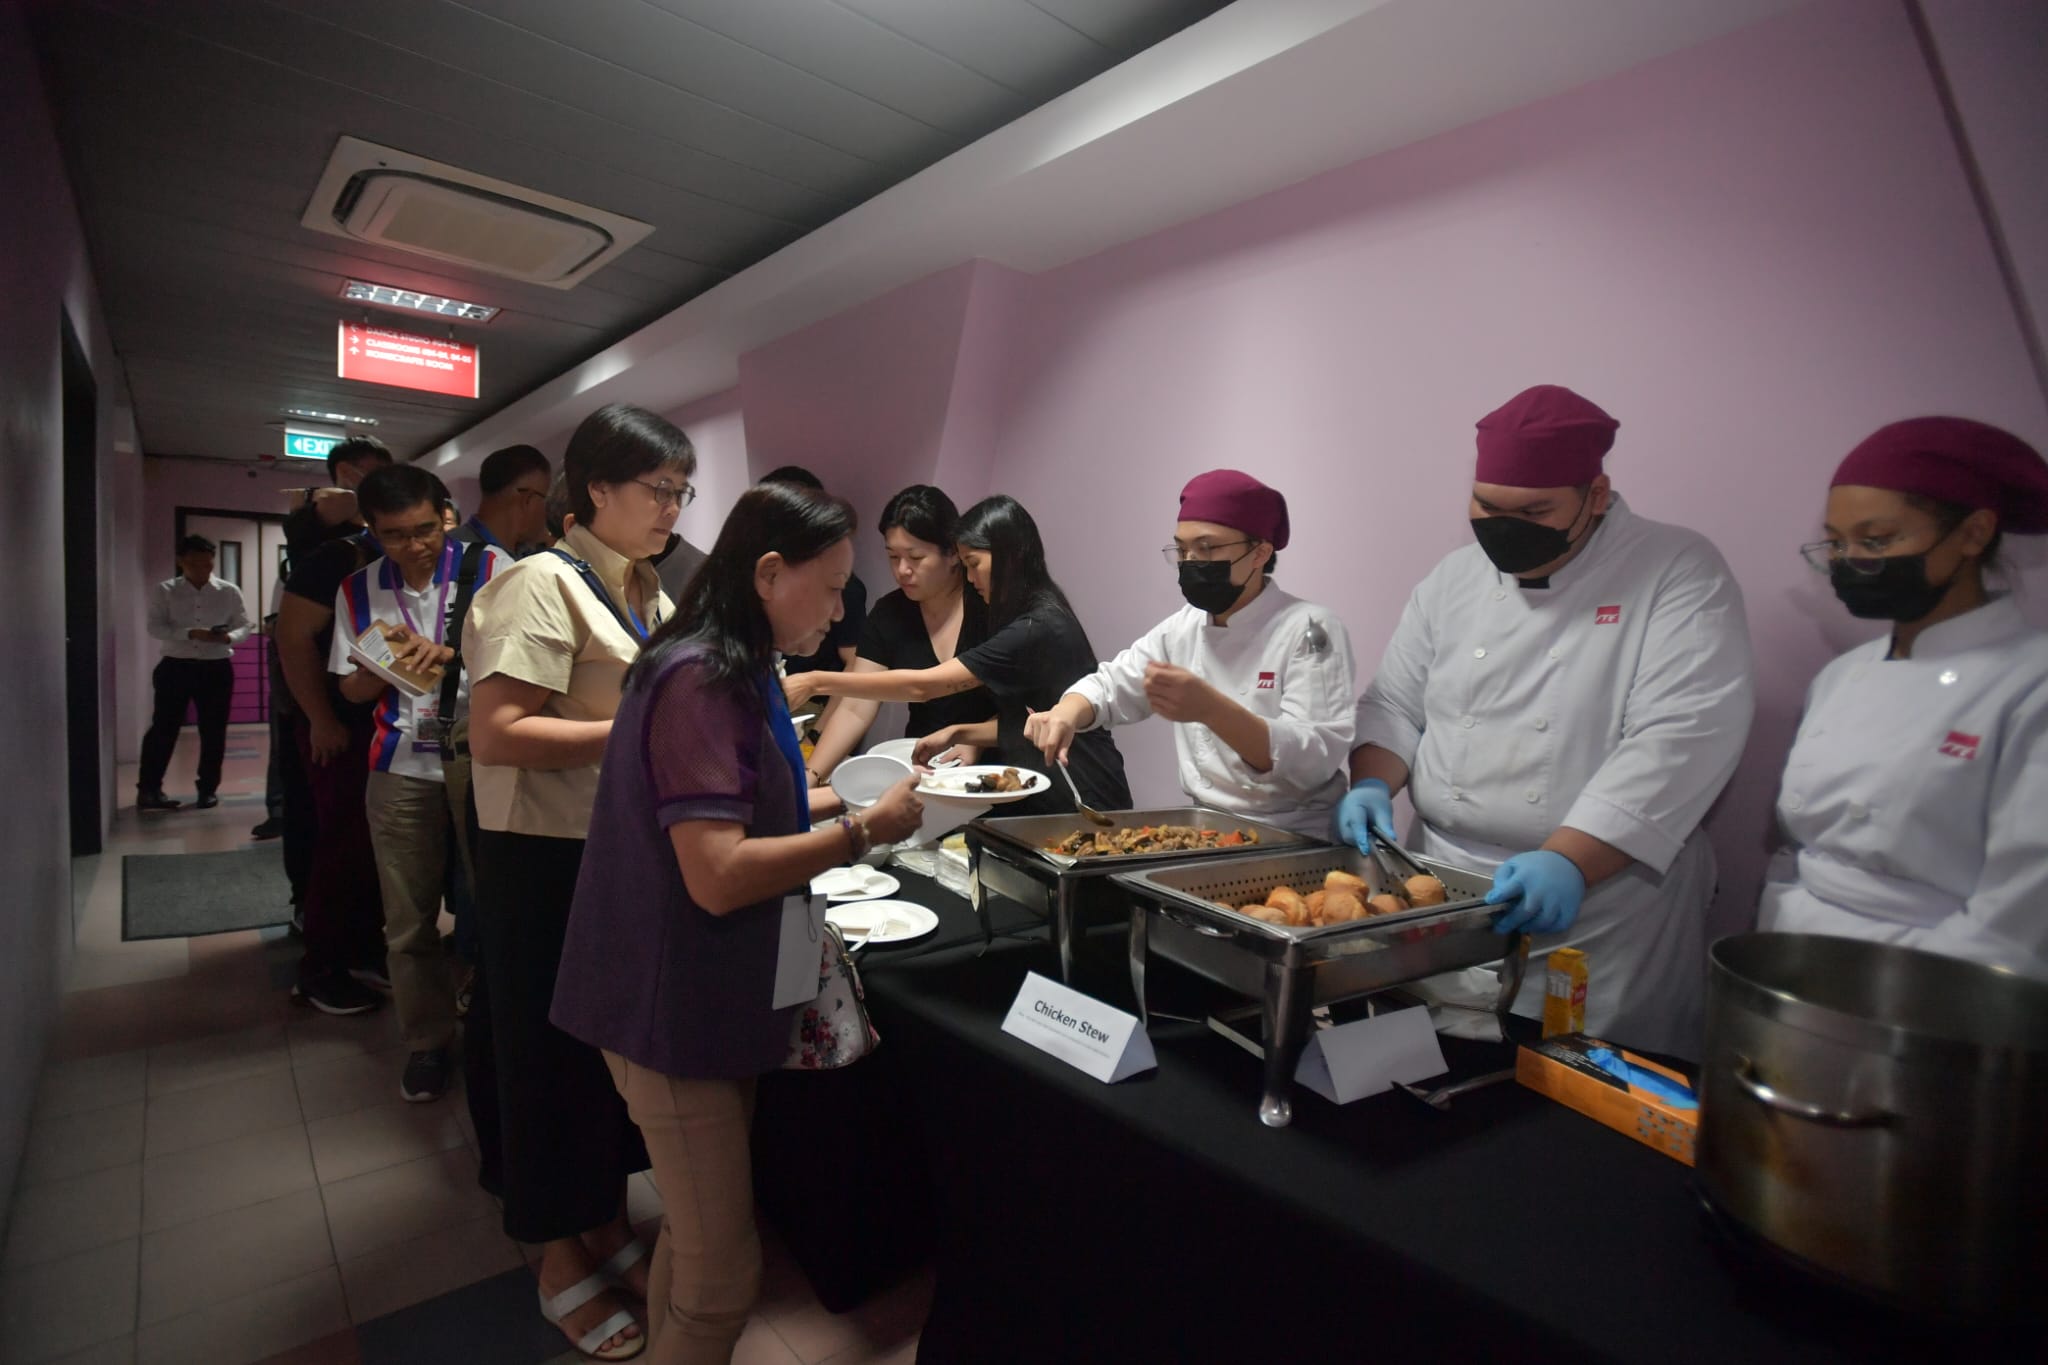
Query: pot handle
[[1745, 1076]]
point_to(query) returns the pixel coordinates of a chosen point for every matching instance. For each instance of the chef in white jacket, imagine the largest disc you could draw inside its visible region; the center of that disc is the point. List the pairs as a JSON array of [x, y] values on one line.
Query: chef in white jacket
[[1257, 682], [1916, 795], [1564, 700]]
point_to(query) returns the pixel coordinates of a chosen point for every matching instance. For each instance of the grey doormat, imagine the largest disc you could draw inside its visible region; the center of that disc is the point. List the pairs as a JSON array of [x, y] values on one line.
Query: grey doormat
[[185, 895]]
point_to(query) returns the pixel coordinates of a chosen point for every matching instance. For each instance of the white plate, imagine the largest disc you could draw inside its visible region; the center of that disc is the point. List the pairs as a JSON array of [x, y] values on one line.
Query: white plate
[[853, 884], [954, 782], [804, 719], [879, 922]]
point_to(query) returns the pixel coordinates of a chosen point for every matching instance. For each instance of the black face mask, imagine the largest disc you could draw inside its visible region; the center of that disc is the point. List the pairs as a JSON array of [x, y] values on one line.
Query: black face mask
[[1517, 545], [1898, 591], [1206, 584]]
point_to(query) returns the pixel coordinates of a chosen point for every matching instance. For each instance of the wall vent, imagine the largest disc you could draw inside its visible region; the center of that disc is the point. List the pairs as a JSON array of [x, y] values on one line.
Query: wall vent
[[408, 203]]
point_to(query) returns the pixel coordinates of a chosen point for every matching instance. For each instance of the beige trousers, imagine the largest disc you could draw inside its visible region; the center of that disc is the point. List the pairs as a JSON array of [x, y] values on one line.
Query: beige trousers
[[410, 818], [707, 1261]]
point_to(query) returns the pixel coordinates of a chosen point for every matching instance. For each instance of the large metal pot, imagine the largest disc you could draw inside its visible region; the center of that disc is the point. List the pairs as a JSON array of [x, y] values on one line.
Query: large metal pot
[[1879, 1114]]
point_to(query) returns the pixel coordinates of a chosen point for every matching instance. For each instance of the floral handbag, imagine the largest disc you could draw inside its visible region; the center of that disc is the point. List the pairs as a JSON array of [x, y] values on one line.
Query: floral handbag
[[833, 1030]]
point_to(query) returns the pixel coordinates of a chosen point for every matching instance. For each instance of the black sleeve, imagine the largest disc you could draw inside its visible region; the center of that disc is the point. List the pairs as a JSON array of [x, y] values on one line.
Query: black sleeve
[[320, 575], [1010, 662], [846, 631], [881, 635]]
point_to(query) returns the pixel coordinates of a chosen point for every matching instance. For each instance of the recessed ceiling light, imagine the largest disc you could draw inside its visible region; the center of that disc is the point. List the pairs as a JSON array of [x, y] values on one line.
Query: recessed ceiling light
[[346, 419], [384, 296]]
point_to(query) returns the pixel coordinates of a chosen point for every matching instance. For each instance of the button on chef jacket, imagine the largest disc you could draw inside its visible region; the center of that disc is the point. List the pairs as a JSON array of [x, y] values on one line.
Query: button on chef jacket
[[1916, 796], [1261, 660], [1615, 701]]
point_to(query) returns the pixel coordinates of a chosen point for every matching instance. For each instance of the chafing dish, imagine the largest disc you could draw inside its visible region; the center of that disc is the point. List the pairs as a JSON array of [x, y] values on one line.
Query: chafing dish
[[1007, 856], [1178, 914]]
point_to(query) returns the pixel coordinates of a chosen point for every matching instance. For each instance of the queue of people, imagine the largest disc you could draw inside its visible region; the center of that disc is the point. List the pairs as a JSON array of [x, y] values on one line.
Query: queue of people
[[616, 769]]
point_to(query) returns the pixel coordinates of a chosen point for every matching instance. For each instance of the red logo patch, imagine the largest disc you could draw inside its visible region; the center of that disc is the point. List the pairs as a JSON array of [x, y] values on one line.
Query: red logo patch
[[1960, 745], [1607, 616], [1266, 683]]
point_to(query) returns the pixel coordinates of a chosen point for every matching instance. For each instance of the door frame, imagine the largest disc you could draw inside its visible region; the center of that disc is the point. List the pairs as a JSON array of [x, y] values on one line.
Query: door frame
[[81, 496]]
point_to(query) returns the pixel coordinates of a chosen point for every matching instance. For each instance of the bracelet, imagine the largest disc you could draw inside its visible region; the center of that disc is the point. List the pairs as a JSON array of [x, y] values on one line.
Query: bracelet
[[857, 839]]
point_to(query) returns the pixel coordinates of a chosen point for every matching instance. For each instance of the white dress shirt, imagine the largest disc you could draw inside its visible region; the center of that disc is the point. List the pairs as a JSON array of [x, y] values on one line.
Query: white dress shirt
[[1269, 661], [1616, 701], [177, 608], [1917, 796]]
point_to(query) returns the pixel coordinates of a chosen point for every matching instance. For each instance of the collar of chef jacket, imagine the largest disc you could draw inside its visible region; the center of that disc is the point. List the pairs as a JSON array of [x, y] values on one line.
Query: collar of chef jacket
[[1600, 539], [1256, 615], [1997, 620]]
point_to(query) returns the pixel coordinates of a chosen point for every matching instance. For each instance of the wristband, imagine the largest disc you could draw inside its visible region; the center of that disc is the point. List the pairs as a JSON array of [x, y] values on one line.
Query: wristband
[[857, 840]]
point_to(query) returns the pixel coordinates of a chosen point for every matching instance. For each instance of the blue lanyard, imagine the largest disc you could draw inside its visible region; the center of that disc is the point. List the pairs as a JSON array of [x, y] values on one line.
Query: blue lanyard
[[483, 533], [784, 730]]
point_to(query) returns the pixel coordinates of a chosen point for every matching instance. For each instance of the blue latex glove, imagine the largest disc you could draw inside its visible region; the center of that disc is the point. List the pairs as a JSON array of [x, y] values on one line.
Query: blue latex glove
[[1366, 807], [1542, 891]]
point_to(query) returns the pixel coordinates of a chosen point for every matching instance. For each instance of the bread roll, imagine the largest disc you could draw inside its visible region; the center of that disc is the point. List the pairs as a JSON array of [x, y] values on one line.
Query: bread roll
[[1266, 913], [1293, 902], [1385, 904], [1340, 905], [1315, 906], [1344, 881], [1425, 890]]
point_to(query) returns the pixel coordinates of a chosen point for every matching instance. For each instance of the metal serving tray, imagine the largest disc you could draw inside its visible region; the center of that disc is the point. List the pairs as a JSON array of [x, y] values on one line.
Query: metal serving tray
[[1177, 913], [1007, 856]]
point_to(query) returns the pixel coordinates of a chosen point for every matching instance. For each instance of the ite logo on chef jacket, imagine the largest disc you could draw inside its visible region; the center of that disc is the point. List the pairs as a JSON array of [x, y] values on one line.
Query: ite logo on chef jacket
[[1960, 745], [1266, 683], [1607, 616]]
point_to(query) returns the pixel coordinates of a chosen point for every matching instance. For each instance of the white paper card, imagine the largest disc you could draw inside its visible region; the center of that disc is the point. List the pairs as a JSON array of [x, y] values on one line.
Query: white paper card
[[371, 651], [1367, 1056], [1093, 1038], [801, 952]]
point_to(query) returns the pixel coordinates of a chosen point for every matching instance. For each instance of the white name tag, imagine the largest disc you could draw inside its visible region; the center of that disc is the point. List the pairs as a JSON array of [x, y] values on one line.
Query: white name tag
[[1080, 1030], [800, 957], [1367, 1056]]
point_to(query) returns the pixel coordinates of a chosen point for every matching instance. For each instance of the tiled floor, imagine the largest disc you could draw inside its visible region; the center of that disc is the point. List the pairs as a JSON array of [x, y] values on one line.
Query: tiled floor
[[213, 1176]]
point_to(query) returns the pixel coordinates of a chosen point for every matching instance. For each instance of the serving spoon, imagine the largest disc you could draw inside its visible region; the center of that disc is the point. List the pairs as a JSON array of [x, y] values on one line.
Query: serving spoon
[[1088, 812]]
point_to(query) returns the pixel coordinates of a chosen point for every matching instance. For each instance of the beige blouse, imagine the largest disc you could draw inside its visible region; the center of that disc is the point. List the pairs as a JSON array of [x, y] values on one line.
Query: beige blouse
[[539, 622]]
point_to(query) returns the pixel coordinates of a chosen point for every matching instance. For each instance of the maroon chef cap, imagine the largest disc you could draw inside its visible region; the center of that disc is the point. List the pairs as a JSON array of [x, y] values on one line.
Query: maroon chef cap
[[1239, 501], [1955, 460], [1545, 437]]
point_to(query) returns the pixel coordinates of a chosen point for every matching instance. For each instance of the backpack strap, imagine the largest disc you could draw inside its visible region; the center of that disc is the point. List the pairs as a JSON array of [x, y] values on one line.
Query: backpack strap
[[590, 581], [465, 590]]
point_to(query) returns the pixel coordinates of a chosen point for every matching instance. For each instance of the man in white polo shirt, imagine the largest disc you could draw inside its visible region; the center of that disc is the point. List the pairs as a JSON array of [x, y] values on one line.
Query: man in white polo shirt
[[415, 791], [200, 619]]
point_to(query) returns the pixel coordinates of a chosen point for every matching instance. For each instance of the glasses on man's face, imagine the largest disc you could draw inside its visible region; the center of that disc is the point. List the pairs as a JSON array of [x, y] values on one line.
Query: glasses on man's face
[[1865, 555], [667, 494], [422, 534], [1200, 551]]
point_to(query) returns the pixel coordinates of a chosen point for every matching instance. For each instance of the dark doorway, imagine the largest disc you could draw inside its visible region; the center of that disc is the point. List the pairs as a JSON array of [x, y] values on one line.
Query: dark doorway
[[82, 593]]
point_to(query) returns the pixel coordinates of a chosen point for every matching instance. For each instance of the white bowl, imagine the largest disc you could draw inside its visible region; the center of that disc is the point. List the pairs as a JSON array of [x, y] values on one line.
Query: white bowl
[[902, 749], [860, 782]]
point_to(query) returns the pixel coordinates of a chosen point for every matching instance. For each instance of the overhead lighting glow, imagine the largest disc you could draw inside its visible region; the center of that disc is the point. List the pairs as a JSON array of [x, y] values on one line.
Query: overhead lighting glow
[[345, 419], [384, 296]]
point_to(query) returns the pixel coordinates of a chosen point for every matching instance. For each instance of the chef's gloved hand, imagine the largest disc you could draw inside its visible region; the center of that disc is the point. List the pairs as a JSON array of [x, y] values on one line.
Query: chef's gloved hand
[[1368, 806], [1542, 891]]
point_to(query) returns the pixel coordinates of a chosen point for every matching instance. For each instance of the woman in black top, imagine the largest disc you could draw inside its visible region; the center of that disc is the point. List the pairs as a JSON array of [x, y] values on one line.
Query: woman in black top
[[927, 621], [1036, 648]]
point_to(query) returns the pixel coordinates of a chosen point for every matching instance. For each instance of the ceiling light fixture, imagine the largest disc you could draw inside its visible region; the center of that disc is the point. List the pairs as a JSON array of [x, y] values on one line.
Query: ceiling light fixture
[[345, 419], [384, 296]]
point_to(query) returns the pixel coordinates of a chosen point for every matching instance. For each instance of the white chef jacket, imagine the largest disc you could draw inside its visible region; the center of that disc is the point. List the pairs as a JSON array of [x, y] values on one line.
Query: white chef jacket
[[1616, 701], [176, 607], [1917, 796], [1262, 660]]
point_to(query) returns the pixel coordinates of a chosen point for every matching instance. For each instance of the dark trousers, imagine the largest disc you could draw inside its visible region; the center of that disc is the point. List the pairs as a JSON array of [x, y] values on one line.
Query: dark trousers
[[341, 902], [295, 803], [180, 683], [566, 1143]]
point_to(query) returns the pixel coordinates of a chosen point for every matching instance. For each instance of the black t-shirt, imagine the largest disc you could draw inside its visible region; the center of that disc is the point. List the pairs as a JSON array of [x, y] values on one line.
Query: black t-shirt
[[1028, 665], [845, 634], [895, 637], [317, 578]]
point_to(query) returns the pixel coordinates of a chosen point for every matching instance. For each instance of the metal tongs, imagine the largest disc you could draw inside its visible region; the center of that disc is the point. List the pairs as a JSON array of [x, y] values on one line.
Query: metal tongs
[[1384, 853]]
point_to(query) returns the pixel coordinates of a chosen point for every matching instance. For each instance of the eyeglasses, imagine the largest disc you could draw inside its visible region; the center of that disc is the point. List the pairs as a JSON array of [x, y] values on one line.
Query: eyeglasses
[[1823, 555], [1201, 551], [418, 535], [667, 494]]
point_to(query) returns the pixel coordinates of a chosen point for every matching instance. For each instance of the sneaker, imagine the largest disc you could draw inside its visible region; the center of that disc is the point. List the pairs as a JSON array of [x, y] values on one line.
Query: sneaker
[[374, 976], [426, 1076], [206, 801], [338, 994], [269, 829], [149, 801]]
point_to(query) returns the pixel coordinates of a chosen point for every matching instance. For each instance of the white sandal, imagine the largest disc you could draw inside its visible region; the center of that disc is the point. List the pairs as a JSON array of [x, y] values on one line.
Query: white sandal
[[582, 1292], [624, 1259]]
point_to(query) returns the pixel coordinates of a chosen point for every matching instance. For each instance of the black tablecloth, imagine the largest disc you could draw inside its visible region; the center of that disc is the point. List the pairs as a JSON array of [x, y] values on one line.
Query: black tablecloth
[[1158, 1220]]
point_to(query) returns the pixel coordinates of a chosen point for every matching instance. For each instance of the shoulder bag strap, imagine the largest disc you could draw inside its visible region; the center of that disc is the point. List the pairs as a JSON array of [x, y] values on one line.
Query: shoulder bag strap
[[465, 589]]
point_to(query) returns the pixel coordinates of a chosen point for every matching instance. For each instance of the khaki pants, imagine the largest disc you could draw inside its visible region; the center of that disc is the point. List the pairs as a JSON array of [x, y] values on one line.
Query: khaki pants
[[707, 1262], [410, 821]]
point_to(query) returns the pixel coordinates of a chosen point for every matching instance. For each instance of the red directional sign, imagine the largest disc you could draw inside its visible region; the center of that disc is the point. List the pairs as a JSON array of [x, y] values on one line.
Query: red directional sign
[[404, 360]]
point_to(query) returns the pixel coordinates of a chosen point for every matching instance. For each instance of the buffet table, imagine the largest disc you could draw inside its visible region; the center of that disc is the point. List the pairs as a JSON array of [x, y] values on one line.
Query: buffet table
[[1158, 1220]]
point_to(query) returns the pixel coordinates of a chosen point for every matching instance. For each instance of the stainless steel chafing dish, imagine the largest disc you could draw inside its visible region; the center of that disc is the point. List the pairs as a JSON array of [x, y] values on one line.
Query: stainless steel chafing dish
[[1178, 914], [1007, 856]]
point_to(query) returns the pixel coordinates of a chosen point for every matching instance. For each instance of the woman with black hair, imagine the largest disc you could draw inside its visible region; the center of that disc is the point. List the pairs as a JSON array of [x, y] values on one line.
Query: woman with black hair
[[548, 641], [701, 829], [930, 619], [1035, 650]]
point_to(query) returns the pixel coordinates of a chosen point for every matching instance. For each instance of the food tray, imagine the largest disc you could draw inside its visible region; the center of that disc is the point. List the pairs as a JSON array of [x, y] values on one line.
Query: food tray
[[1031, 833], [1249, 880]]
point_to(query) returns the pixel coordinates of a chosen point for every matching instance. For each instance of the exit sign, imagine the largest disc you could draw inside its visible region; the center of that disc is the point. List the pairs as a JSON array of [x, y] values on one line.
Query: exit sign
[[406, 360], [308, 445]]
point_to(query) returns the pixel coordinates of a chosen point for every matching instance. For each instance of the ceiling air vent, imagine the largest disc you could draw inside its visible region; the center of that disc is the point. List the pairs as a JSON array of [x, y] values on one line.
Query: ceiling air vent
[[397, 200]]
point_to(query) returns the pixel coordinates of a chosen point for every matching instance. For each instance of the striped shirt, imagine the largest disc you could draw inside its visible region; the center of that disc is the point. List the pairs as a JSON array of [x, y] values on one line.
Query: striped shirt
[[378, 592]]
